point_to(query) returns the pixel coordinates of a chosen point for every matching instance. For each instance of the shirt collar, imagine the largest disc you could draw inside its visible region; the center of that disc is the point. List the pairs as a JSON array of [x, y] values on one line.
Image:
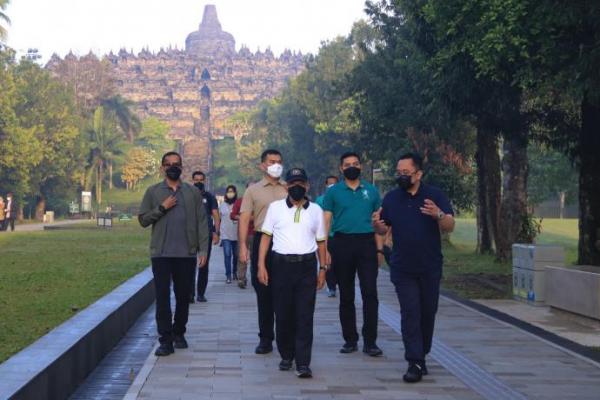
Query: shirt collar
[[360, 185], [290, 205], [164, 185], [266, 182]]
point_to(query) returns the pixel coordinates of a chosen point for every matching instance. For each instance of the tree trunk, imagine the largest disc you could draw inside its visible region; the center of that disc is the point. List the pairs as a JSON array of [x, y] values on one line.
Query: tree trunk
[[99, 178], [110, 175], [562, 196], [40, 208], [488, 190], [589, 184], [513, 209]]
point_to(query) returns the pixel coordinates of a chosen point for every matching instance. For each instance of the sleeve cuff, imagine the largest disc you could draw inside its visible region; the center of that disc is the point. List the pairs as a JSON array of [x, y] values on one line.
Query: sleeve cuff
[[266, 232]]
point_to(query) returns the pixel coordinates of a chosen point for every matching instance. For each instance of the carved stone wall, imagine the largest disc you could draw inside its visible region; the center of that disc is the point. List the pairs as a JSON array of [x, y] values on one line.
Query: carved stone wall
[[195, 90]]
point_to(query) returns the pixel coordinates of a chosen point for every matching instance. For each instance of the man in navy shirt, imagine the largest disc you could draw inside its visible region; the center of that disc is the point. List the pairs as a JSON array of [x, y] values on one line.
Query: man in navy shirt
[[417, 213]]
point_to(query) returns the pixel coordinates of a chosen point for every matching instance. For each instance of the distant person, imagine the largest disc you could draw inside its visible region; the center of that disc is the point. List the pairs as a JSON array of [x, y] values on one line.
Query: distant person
[[348, 207], [2, 213], [295, 228], [179, 240], [416, 213], [229, 235], [10, 212], [243, 266], [255, 204], [213, 226], [330, 276]]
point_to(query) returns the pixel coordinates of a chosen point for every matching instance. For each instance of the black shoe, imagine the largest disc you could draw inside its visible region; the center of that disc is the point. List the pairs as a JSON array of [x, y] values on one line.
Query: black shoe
[[303, 371], [242, 284], [414, 373], [263, 348], [285, 365], [201, 299], [348, 348], [191, 299], [424, 368], [179, 342], [372, 350], [164, 349]]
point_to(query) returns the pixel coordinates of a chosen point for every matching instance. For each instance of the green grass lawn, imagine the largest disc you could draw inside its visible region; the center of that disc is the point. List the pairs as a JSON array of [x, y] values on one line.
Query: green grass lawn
[[46, 277], [123, 200], [475, 276]]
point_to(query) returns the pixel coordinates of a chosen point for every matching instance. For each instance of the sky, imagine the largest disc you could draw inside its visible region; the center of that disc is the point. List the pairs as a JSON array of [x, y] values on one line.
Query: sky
[[59, 26]]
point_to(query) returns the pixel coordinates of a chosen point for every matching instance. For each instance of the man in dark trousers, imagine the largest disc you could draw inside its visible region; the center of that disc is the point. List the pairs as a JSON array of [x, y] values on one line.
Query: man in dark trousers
[[214, 229], [179, 240], [297, 230], [255, 203], [356, 250], [416, 213]]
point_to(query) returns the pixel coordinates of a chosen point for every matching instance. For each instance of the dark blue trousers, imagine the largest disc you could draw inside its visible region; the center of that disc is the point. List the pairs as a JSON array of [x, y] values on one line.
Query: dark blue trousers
[[418, 295]]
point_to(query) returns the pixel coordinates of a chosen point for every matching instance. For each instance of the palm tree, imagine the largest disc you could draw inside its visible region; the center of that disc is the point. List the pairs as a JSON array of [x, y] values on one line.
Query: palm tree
[[106, 144], [3, 17], [128, 122]]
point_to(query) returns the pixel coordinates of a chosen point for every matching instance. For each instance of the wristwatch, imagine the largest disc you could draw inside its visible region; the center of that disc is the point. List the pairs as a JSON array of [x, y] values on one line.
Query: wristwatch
[[380, 251], [324, 268], [441, 215]]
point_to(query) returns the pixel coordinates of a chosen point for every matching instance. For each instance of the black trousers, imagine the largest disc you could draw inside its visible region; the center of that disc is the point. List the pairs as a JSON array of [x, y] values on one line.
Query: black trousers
[[418, 295], [264, 295], [165, 270], [330, 274], [294, 286], [202, 283], [357, 254]]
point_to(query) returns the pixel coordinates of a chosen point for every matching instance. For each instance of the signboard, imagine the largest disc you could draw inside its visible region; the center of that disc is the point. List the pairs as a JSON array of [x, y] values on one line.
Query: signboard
[[86, 201], [73, 207]]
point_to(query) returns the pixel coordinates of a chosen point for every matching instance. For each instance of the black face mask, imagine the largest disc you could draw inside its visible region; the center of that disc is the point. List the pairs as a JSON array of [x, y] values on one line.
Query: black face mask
[[297, 192], [404, 181], [352, 173], [173, 173], [200, 186]]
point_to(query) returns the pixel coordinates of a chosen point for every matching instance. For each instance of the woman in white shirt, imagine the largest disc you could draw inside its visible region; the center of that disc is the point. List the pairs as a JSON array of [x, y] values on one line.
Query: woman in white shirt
[[229, 236]]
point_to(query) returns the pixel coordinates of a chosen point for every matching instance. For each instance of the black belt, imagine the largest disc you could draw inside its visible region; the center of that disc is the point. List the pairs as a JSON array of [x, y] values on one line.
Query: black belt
[[295, 258]]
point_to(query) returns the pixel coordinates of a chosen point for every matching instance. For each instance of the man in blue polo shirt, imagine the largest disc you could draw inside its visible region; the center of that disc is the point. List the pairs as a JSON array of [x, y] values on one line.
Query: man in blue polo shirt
[[417, 213], [350, 204]]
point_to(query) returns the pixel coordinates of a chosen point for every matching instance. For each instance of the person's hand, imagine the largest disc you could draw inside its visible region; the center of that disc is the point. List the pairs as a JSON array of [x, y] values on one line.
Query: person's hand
[[327, 257], [378, 224], [430, 208], [321, 279], [263, 275], [215, 238], [202, 261], [380, 259], [169, 202], [243, 253]]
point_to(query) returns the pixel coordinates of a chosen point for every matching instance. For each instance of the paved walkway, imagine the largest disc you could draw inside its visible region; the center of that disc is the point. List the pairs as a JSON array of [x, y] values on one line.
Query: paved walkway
[[40, 226], [474, 357]]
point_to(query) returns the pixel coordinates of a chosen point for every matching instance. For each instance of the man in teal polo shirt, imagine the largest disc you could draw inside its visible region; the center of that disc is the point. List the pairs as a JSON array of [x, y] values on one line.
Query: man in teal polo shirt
[[350, 204]]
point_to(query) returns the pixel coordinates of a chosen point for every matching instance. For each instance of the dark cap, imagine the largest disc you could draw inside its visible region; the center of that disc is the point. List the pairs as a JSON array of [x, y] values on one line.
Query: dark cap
[[296, 174]]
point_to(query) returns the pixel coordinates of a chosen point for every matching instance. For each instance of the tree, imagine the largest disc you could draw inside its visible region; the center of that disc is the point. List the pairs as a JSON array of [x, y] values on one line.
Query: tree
[[105, 143], [3, 18], [141, 162]]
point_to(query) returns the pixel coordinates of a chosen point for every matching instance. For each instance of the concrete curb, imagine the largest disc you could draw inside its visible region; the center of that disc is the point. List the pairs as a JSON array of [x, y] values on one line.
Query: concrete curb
[[142, 376], [54, 365]]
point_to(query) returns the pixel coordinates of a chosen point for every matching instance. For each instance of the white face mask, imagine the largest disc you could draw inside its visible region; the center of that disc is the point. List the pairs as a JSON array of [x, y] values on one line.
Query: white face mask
[[275, 170]]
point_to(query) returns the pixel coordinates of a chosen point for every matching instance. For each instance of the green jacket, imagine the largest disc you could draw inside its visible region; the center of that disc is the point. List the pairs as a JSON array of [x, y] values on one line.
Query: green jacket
[[196, 222]]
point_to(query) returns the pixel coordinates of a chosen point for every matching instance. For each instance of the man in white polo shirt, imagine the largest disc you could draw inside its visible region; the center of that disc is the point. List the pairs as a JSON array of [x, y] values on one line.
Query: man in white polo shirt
[[296, 227]]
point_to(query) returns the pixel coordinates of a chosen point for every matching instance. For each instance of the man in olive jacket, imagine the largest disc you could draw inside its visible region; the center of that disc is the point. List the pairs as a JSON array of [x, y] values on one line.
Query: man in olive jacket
[[179, 235]]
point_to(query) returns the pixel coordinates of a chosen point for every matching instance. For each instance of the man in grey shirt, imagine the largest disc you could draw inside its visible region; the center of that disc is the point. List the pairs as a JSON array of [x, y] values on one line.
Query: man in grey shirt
[[179, 235]]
